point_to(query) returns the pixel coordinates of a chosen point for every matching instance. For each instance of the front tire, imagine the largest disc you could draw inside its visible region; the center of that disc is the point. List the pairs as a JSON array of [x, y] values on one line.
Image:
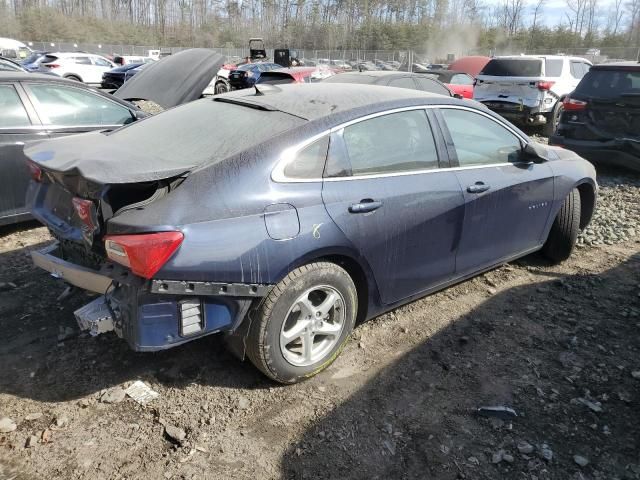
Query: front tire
[[564, 231], [75, 78], [304, 323], [221, 87]]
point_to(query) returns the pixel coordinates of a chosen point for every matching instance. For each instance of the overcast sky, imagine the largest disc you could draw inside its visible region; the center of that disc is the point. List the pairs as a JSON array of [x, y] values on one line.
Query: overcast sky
[[553, 11]]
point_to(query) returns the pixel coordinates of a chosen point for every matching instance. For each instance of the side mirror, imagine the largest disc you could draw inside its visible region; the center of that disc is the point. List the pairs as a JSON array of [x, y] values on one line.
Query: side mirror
[[534, 153]]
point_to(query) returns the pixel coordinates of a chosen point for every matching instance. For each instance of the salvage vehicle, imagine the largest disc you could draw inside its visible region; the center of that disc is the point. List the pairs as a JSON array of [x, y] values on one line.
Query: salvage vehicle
[[78, 66], [344, 202], [600, 120], [35, 106], [13, 49], [457, 82], [245, 76], [115, 78], [413, 81], [529, 89]]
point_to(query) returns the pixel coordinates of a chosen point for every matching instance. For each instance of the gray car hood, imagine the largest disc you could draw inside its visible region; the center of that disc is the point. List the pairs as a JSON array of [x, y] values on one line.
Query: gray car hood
[[174, 80]]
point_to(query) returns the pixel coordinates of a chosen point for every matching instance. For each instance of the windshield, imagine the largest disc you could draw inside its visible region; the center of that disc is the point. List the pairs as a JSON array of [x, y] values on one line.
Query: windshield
[[609, 83], [33, 57], [513, 67]]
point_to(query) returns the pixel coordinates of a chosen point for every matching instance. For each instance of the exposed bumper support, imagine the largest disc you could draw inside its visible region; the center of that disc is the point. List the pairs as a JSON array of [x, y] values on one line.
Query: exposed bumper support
[[69, 272], [177, 287]]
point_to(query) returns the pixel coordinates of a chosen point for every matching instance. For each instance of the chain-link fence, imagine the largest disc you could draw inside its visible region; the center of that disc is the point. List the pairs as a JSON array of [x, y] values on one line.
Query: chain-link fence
[[230, 52]]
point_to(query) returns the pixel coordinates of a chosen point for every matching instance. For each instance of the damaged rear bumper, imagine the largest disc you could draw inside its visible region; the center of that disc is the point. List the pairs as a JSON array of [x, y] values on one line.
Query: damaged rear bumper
[[71, 273], [152, 315]]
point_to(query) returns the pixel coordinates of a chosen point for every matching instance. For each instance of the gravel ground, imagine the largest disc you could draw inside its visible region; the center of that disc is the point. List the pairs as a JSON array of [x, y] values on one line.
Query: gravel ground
[[557, 344]]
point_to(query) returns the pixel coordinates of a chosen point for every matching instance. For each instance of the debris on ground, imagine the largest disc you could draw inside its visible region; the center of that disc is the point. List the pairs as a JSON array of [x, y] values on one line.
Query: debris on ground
[[176, 434], [7, 425], [141, 392], [113, 395], [500, 412]]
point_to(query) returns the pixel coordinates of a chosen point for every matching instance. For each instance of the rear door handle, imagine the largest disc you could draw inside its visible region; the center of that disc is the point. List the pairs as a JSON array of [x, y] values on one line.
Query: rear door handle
[[478, 187], [365, 205]]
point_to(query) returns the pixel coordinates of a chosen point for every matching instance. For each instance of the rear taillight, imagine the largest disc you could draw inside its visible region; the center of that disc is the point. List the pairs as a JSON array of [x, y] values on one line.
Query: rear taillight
[[52, 65], [145, 253], [544, 85], [573, 105], [35, 171], [85, 211]]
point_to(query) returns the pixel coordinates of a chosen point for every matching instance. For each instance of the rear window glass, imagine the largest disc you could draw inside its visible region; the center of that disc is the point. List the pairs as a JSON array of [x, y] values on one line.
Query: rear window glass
[[609, 83], [513, 67], [553, 67], [49, 58], [201, 140]]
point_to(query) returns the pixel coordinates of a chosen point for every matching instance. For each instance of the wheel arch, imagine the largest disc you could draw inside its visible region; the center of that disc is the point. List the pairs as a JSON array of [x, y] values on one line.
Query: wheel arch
[[587, 202], [357, 268]]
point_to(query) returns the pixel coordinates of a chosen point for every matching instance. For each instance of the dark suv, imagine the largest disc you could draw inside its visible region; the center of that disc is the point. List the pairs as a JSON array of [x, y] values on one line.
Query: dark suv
[[601, 118], [245, 76]]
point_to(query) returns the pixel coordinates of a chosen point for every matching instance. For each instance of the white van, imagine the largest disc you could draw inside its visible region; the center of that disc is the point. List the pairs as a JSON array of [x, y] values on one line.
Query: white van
[[13, 49], [528, 89]]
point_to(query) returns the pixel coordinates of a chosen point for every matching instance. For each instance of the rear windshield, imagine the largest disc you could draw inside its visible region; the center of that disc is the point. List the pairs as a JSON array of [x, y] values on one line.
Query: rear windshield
[[189, 135], [49, 58], [609, 83], [513, 67]]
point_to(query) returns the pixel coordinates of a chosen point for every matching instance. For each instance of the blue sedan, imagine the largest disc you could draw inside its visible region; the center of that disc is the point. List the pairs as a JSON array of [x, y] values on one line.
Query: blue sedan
[[300, 212]]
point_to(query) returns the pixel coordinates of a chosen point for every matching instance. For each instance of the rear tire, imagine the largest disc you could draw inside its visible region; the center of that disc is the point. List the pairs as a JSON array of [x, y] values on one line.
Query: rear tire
[[284, 339], [553, 120], [564, 231], [75, 78]]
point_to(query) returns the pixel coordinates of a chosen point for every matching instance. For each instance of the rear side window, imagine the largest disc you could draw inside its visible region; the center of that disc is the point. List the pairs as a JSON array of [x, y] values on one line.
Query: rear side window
[[308, 162], [479, 140], [82, 60], [432, 86], [513, 67], [553, 67], [398, 142], [68, 106], [13, 112], [49, 59], [101, 62], [609, 83]]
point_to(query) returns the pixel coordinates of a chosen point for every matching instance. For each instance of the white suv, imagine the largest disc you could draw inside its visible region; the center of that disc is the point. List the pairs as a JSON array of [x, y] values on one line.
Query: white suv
[[83, 67], [528, 89]]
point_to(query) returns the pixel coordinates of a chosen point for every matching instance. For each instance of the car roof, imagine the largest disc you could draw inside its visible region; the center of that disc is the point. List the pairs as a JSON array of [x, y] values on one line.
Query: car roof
[[318, 100], [20, 76]]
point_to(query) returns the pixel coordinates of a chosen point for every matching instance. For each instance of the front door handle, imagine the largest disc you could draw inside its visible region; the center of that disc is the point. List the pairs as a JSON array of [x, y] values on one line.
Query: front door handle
[[478, 187], [365, 205]]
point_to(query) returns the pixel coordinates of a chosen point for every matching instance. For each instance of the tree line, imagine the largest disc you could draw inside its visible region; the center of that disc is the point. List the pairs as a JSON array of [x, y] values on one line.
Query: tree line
[[461, 26]]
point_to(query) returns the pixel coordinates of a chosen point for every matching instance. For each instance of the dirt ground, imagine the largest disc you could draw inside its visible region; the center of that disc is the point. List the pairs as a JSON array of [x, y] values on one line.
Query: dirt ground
[[558, 344]]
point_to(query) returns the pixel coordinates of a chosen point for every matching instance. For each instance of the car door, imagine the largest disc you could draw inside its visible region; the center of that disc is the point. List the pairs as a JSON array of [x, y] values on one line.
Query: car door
[[18, 124], [66, 109], [385, 190], [507, 200]]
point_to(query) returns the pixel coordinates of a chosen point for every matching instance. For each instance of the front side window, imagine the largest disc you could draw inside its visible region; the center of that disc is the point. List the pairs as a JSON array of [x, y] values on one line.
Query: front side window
[[68, 106], [404, 82], [308, 163], [13, 113], [398, 142], [101, 62], [432, 86], [479, 140]]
